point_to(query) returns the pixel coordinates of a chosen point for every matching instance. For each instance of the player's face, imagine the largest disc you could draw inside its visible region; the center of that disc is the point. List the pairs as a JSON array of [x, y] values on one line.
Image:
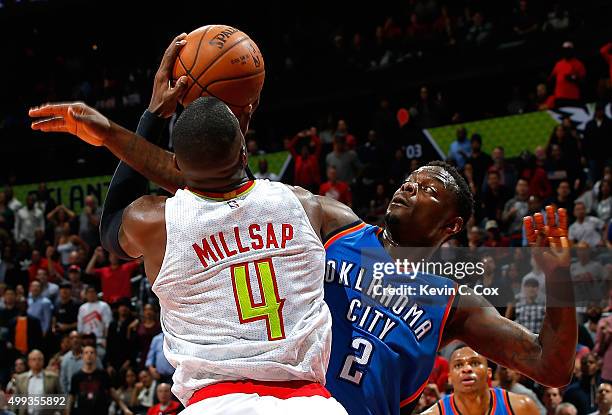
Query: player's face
[[469, 371], [422, 211]]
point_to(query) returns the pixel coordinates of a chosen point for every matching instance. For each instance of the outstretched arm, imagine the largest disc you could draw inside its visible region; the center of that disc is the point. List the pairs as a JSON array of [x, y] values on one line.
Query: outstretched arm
[[547, 357]]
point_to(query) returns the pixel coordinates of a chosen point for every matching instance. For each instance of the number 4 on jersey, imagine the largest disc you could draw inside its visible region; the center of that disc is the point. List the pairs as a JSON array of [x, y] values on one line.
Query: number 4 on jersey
[[271, 306]]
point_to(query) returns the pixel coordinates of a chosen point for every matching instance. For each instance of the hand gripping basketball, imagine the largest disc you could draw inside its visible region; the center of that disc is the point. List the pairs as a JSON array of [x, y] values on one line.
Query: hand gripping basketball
[[75, 118]]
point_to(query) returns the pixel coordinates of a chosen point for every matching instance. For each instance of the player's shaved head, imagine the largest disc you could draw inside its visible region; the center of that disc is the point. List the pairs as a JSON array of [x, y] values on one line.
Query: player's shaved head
[[207, 140]]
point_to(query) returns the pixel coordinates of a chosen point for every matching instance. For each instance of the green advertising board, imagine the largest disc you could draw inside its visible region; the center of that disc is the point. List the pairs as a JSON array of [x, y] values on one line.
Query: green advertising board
[[71, 193]]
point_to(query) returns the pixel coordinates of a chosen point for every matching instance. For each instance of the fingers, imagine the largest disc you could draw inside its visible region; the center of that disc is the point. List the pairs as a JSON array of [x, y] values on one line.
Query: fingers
[[50, 124], [550, 215], [529, 229], [49, 110], [180, 86], [539, 222], [565, 242], [171, 53], [562, 214]]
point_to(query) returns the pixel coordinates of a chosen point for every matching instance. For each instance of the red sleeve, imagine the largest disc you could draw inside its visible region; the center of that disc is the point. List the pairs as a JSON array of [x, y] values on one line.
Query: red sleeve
[[98, 272], [32, 269], [153, 410], [131, 266], [58, 268]]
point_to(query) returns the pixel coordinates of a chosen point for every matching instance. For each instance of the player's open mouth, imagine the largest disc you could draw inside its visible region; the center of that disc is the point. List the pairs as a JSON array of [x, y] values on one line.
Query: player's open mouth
[[468, 381], [400, 201]]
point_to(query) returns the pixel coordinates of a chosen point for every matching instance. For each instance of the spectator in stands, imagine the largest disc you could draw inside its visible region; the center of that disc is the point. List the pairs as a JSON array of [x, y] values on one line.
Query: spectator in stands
[[582, 393], [345, 161], [78, 288], [55, 362], [568, 73], [58, 220], [48, 289], [28, 220], [595, 142], [494, 196], [587, 277], [40, 307], [479, 32], [120, 349], [36, 381], [588, 333], [557, 20], [124, 392], [94, 317], [524, 22], [66, 312], [551, 398], [72, 361], [529, 308], [143, 395], [335, 188], [604, 200], [13, 203], [460, 149], [263, 172], [115, 278], [542, 100], [586, 228], [563, 199], [144, 331], [7, 216], [89, 221], [479, 160], [494, 235], [568, 145], [90, 389], [604, 399], [166, 405], [536, 176], [429, 397], [306, 161], [157, 364], [507, 172], [342, 131], [378, 205], [603, 343], [514, 211], [55, 270], [25, 330], [509, 380], [428, 111], [8, 311]]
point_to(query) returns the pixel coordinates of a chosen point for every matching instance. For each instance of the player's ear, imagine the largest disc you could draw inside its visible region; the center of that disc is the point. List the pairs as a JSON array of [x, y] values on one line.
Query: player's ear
[[454, 226], [489, 374], [176, 166]]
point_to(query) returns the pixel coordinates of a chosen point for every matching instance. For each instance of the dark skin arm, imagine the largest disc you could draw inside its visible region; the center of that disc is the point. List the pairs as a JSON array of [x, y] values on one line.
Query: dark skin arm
[[548, 357]]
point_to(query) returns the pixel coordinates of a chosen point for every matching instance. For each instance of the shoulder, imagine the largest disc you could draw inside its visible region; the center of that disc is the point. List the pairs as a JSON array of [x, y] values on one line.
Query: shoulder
[[522, 404], [434, 409], [21, 377], [145, 209]]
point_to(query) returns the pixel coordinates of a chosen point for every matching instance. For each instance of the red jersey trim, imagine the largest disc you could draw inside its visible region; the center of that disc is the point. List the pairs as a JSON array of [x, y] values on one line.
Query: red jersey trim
[[280, 390]]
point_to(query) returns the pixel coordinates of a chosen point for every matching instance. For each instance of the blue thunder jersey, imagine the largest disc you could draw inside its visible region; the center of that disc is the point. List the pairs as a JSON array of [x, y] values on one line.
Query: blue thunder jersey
[[384, 343], [498, 405]]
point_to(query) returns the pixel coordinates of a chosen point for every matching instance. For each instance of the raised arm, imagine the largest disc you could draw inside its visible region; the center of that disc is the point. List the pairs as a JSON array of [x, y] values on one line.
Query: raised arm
[[547, 357]]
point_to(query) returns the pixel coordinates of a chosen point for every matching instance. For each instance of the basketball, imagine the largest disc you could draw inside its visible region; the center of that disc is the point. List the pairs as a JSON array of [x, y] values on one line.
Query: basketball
[[223, 62]]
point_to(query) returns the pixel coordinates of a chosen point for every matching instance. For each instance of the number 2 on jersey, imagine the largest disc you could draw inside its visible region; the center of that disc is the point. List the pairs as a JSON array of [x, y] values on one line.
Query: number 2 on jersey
[[271, 306], [363, 360]]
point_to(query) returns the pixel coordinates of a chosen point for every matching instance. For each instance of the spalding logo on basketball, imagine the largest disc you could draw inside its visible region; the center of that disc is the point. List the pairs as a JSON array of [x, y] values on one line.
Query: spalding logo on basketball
[[223, 62]]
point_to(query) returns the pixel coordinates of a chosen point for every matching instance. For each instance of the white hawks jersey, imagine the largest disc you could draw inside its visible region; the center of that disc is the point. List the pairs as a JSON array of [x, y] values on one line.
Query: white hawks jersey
[[241, 289]]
